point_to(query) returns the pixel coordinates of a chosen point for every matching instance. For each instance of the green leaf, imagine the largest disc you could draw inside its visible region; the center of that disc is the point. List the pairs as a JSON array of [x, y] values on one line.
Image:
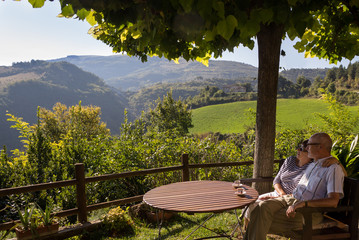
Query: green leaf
[[37, 3], [219, 7], [186, 4], [231, 21], [252, 28], [67, 11], [82, 13], [91, 18], [136, 34], [210, 35], [226, 27], [266, 15], [222, 28], [299, 46], [204, 8]]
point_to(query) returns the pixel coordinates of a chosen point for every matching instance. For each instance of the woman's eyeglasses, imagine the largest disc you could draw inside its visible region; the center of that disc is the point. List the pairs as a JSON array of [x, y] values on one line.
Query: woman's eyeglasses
[[301, 148]]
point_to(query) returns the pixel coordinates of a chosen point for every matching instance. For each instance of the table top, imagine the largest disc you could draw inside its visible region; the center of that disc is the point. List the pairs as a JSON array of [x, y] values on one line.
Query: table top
[[199, 197]]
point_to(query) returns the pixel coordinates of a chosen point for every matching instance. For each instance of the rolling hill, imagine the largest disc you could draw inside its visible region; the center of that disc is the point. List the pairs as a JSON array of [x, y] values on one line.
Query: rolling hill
[[234, 117], [129, 73], [25, 86]]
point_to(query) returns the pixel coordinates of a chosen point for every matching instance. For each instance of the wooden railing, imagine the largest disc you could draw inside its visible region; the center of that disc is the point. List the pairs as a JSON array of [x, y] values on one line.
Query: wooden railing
[[80, 182]]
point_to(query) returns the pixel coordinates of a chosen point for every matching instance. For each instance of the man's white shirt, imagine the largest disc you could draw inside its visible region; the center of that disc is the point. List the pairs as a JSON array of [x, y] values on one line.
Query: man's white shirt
[[317, 181]]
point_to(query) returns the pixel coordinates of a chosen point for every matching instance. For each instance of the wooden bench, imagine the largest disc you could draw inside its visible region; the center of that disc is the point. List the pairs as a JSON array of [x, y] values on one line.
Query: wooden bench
[[340, 222]]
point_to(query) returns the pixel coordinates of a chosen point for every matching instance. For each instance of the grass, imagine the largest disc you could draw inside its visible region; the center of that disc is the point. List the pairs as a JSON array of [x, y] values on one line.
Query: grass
[[181, 225], [234, 117]]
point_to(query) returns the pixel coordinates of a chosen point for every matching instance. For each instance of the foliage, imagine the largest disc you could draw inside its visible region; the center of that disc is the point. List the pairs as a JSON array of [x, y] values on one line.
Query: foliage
[[34, 217], [211, 95], [46, 217], [198, 28], [286, 88], [191, 91], [22, 126], [48, 158], [340, 122], [84, 121], [334, 31], [341, 82], [26, 217], [117, 222], [170, 115], [348, 156]]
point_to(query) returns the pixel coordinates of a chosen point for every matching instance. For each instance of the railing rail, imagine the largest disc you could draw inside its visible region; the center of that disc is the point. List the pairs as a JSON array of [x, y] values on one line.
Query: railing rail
[[80, 182]]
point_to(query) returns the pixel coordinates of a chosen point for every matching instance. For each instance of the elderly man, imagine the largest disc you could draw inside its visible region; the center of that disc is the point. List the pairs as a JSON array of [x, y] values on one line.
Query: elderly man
[[319, 187]]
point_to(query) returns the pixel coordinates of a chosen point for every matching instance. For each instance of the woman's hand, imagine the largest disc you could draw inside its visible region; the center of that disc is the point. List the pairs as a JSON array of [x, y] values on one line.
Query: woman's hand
[[266, 198], [330, 161]]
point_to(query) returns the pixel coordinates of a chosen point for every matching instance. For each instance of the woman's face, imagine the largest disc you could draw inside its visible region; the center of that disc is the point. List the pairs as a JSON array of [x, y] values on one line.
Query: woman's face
[[302, 154]]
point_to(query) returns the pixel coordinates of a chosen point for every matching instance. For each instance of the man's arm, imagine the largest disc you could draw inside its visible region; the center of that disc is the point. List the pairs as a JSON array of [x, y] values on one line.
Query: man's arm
[[331, 201]]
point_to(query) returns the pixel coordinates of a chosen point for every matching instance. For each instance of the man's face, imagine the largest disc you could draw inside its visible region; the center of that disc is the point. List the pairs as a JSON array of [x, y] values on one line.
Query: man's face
[[313, 147]]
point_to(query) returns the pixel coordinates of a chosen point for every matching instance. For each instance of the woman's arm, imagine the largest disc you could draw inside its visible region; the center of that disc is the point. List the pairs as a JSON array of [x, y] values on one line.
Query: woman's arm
[[279, 189], [330, 161]]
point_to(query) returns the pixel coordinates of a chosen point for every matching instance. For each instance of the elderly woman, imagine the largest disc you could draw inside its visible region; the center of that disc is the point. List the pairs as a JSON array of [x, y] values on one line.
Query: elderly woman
[[288, 176]]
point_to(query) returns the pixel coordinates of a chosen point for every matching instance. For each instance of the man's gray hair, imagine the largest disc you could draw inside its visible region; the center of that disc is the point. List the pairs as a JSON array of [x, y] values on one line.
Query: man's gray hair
[[325, 140]]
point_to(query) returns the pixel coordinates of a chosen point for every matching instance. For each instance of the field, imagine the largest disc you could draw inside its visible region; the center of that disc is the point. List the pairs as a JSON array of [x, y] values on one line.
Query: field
[[234, 117]]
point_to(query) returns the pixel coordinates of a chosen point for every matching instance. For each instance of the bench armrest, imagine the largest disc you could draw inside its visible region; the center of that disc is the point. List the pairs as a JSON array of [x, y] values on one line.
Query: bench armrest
[[304, 210]]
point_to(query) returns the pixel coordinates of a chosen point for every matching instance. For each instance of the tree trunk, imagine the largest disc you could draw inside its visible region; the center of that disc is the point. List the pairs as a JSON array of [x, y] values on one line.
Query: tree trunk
[[269, 43]]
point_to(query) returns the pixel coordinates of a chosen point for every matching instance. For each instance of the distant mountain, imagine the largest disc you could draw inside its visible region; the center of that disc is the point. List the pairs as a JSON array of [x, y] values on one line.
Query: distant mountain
[[25, 86], [129, 73]]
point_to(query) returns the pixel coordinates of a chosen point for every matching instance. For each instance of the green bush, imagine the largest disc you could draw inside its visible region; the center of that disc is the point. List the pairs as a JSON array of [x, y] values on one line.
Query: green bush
[[117, 222]]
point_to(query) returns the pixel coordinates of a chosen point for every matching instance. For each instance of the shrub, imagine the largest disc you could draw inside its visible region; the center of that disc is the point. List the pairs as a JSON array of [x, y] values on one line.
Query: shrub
[[117, 222]]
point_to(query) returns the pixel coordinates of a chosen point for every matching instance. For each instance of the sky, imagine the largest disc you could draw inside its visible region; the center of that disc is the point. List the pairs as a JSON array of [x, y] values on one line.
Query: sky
[[28, 33]]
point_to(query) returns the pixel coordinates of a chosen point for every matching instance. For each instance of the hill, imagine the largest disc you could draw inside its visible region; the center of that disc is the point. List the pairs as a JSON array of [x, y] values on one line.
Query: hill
[[141, 100], [233, 117], [311, 74], [128, 73], [25, 86]]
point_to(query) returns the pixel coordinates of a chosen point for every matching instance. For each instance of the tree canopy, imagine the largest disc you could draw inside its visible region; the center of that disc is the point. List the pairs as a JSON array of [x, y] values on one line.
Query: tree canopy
[[197, 29]]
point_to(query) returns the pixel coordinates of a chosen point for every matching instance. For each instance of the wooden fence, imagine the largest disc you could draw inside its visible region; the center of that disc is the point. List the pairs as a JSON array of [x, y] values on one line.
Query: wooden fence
[[80, 182]]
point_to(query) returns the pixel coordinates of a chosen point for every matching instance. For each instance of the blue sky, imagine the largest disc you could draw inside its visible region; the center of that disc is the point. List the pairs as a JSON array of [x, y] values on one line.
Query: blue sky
[[28, 33]]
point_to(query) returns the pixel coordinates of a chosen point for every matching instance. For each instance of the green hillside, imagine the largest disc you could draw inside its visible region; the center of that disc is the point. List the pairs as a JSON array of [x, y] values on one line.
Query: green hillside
[[25, 86], [233, 117]]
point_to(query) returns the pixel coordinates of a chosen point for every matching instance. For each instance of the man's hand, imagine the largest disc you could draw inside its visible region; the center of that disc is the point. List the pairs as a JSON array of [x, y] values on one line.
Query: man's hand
[[291, 211]]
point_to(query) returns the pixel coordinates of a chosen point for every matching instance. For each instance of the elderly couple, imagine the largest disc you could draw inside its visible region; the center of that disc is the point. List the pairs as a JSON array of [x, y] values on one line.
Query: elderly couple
[[321, 185]]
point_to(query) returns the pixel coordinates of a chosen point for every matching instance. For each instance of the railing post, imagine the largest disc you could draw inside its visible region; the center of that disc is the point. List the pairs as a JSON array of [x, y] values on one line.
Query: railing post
[[185, 170], [81, 192]]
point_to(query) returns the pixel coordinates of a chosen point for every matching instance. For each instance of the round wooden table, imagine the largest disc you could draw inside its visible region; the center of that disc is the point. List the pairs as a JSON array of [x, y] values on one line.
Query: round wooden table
[[199, 197]]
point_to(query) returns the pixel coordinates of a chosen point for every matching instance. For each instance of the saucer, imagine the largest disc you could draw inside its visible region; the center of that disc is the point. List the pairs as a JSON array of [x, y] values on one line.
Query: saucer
[[240, 194]]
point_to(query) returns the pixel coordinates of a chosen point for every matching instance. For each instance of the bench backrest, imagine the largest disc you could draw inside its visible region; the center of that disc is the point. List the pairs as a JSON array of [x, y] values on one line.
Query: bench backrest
[[351, 198]]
